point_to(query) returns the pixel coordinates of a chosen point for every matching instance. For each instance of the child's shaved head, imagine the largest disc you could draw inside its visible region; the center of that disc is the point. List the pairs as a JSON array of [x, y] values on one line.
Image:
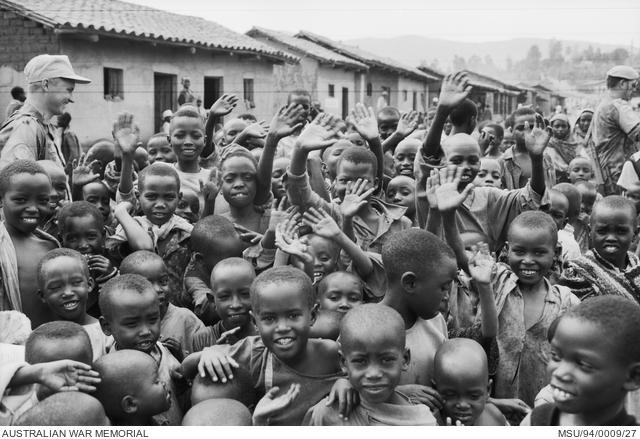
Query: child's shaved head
[[371, 321], [534, 220], [617, 203], [119, 286], [461, 356], [460, 140], [281, 275], [573, 195], [65, 408], [227, 412]]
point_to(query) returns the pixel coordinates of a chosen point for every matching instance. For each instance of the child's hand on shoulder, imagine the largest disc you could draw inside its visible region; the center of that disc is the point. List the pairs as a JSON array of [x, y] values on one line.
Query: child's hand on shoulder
[[215, 362], [422, 395], [287, 120], [447, 183], [355, 198], [224, 105], [320, 133], [364, 121], [271, 405], [321, 223], [126, 134], [345, 395], [407, 124], [482, 265]]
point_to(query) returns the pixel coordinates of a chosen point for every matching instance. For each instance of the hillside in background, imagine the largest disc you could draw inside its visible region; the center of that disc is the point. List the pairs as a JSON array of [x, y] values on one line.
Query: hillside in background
[[441, 54]]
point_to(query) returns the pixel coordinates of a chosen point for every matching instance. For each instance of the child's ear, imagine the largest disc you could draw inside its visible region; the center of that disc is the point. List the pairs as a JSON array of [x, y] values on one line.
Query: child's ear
[[104, 324], [91, 283], [129, 405], [179, 195], [314, 313], [40, 295], [633, 377], [408, 281], [489, 385], [406, 357], [169, 139]]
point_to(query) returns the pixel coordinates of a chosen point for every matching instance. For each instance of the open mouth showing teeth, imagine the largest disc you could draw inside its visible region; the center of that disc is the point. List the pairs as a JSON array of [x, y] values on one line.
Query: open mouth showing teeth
[[30, 220], [71, 305], [560, 395], [285, 341], [528, 272], [145, 345]]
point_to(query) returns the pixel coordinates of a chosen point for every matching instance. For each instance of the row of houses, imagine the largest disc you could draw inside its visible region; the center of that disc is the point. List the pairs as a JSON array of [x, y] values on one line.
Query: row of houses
[[137, 55]]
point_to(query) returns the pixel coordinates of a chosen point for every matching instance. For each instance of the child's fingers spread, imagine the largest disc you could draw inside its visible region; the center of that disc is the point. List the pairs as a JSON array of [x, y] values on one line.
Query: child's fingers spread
[[272, 392], [367, 194]]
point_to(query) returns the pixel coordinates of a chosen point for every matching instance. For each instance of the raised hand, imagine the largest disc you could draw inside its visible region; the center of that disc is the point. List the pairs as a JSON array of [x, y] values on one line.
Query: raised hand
[[536, 139], [455, 89], [482, 265], [279, 212], [257, 130], [224, 105], [247, 235], [433, 182], [321, 223], [448, 197], [126, 133], [287, 239], [271, 405], [355, 198], [364, 121], [287, 120], [83, 172], [407, 124], [68, 375], [320, 133]]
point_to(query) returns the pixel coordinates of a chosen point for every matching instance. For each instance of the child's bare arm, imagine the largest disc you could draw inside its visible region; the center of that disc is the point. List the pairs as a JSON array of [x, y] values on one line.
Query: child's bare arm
[[223, 106], [319, 134], [455, 89], [316, 179], [434, 221], [481, 267], [125, 133], [323, 225], [62, 375], [449, 199], [364, 120], [137, 236], [406, 125], [283, 124], [536, 140]]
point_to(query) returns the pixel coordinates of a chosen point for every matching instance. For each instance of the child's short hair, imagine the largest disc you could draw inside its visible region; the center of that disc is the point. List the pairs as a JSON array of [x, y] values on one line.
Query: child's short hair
[[117, 286], [522, 111], [589, 186], [413, 250], [57, 253], [497, 128], [158, 170], [59, 330], [371, 318], [65, 408], [219, 412], [389, 111], [158, 136], [618, 319], [235, 150], [137, 259], [18, 167], [17, 92], [298, 92], [78, 209], [534, 220], [573, 195], [187, 110], [615, 202], [232, 263], [357, 155], [279, 276], [322, 285], [208, 230], [462, 112]]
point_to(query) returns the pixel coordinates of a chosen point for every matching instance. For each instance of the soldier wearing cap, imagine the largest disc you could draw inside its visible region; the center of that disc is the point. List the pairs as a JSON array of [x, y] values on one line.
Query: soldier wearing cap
[[615, 130], [28, 134]]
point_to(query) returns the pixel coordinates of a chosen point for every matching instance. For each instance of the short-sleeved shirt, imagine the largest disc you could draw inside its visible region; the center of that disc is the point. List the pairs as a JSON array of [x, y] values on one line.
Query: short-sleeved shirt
[[267, 371], [26, 135], [615, 131], [423, 340], [180, 324]]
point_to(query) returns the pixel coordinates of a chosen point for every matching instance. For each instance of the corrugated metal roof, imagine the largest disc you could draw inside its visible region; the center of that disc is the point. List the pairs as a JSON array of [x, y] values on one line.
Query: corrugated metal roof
[[136, 21], [365, 57], [312, 49]]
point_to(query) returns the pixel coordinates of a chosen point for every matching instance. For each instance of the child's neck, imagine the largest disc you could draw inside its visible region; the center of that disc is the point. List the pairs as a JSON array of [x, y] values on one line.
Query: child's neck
[[243, 215], [15, 233], [395, 300], [190, 166], [86, 319]]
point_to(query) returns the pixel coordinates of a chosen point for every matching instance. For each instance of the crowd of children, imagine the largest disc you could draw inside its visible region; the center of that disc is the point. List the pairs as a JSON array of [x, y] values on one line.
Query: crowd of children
[[378, 270]]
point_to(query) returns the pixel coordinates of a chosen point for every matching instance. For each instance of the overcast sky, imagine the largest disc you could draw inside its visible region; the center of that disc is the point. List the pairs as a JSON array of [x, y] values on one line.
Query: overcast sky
[[605, 21]]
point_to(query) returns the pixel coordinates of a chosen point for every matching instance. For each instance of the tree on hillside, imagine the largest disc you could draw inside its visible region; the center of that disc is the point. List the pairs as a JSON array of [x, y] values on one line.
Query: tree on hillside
[[459, 63]]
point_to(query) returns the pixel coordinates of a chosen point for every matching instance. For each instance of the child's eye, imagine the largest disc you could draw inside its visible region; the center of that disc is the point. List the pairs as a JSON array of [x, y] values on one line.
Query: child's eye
[[294, 315], [585, 366], [554, 356]]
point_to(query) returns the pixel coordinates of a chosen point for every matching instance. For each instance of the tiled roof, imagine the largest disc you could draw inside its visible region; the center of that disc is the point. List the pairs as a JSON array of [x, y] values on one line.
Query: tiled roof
[[366, 57], [136, 21], [479, 80], [312, 49]]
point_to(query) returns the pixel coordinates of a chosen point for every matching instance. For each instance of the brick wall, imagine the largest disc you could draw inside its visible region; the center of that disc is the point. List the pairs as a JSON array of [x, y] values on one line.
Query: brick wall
[[21, 39]]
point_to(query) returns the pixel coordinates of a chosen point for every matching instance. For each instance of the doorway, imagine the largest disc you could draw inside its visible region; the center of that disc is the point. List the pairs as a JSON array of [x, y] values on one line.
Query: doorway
[[345, 103], [165, 95], [212, 90]]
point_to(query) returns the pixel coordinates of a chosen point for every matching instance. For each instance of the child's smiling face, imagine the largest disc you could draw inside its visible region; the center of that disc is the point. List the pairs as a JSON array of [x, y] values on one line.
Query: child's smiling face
[[26, 201], [66, 288], [187, 138], [159, 198], [284, 317], [530, 254]]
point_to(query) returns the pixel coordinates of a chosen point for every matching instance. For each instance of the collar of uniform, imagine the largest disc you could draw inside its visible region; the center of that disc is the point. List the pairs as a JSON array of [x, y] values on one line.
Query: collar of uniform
[[31, 109]]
